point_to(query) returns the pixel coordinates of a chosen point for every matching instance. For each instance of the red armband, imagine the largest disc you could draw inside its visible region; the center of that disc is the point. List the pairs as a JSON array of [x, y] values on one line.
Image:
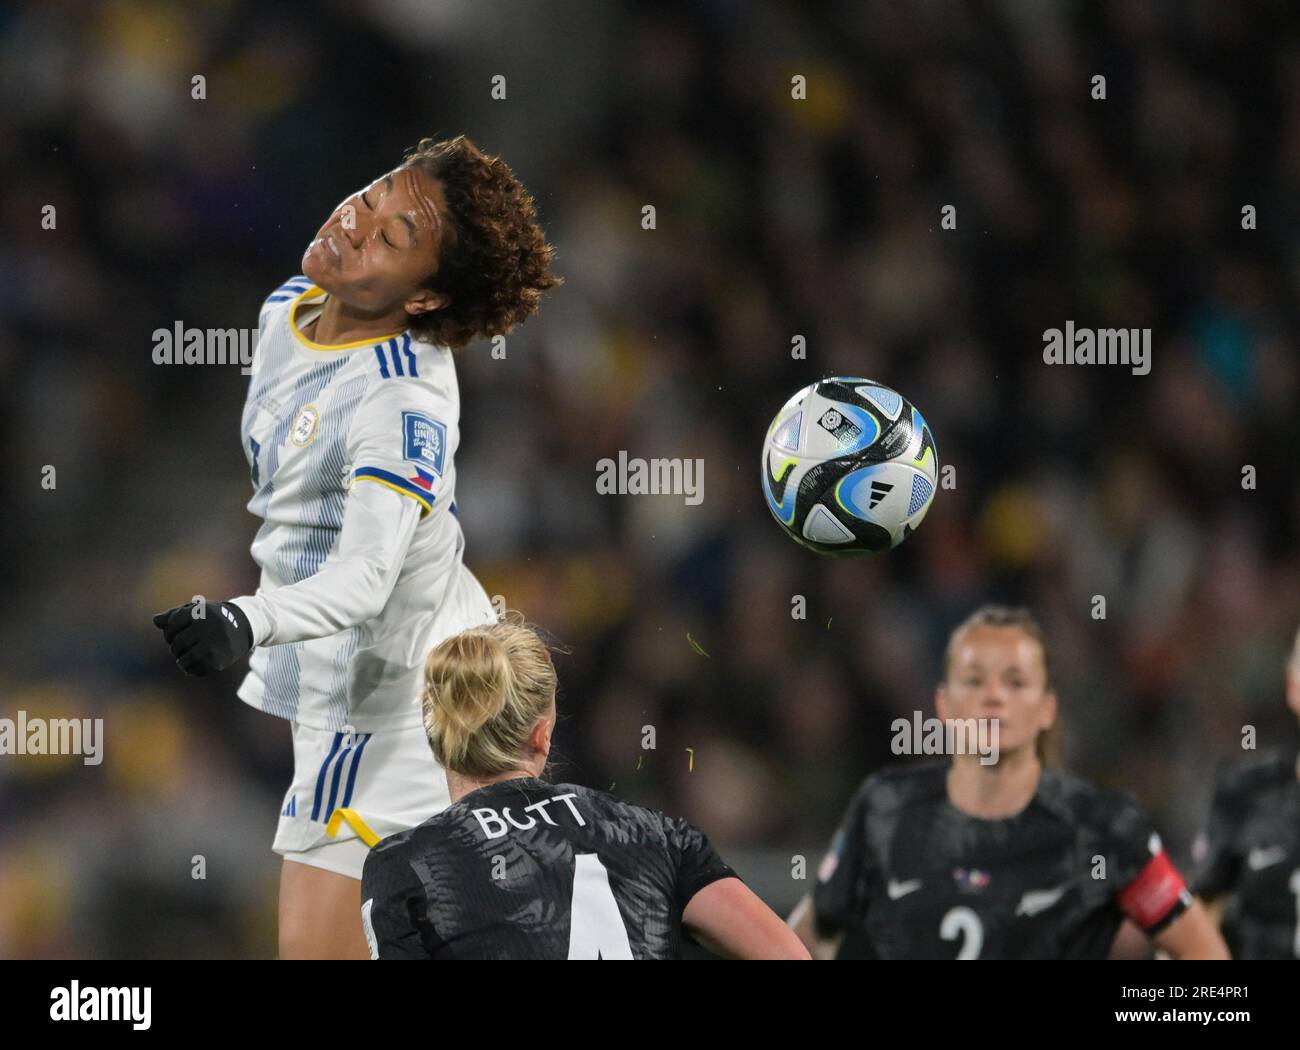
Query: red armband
[[1150, 897]]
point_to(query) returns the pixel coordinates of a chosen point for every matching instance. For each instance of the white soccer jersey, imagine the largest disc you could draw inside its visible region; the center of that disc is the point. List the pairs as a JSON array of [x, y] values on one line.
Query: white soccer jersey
[[350, 451]]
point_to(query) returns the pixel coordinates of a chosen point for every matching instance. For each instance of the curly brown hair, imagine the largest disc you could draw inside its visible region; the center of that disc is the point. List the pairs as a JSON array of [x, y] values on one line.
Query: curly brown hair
[[495, 260]]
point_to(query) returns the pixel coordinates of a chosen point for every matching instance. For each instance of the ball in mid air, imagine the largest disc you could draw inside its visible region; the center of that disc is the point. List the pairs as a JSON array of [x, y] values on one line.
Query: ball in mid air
[[849, 467]]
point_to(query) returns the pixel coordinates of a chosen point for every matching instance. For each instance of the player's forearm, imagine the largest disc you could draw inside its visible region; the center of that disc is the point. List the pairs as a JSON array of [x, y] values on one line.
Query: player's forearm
[[338, 597], [354, 583], [1131, 942], [728, 919], [1214, 909], [1193, 936]]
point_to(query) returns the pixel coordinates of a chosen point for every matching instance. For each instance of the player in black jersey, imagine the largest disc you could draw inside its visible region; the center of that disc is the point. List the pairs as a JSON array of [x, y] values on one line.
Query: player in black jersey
[[1249, 852], [518, 868], [980, 859]]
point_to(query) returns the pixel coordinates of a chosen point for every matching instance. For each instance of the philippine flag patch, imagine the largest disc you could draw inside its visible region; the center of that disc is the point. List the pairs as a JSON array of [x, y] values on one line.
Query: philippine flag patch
[[422, 478], [424, 442]]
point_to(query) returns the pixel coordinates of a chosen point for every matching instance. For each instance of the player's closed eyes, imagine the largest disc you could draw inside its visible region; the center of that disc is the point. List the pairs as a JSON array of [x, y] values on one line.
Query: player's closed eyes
[[382, 233]]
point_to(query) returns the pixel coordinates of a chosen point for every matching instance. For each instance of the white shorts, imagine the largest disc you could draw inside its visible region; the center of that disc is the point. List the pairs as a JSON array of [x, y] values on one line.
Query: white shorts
[[386, 781]]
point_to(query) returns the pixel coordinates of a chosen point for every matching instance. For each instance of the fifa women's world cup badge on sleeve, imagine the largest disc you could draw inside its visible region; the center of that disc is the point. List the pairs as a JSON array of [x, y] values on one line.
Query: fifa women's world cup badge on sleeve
[[424, 443], [425, 440]]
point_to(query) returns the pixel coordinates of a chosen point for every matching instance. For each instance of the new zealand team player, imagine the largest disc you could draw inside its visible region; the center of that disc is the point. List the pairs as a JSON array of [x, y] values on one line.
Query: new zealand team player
[[1249, 852], [1009, 860], [519, 868], [350, 429]]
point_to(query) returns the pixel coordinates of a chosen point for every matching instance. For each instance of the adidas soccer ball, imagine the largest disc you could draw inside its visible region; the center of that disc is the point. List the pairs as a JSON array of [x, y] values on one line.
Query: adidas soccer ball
[[849, 467]]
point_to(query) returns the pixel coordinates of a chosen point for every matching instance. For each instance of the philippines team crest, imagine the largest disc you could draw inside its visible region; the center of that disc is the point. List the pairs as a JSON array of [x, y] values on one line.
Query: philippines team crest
[[305, 426]]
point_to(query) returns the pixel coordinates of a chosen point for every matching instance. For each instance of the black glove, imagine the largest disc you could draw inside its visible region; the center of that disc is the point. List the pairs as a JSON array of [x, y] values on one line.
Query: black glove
[[209, 643]]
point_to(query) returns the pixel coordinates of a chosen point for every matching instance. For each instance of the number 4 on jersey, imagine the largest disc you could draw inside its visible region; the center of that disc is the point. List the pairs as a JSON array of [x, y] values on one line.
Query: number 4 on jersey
[[596, 929]]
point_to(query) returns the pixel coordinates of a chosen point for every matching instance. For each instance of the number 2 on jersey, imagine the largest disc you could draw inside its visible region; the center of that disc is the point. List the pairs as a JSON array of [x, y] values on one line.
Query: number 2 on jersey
[[964, 923]]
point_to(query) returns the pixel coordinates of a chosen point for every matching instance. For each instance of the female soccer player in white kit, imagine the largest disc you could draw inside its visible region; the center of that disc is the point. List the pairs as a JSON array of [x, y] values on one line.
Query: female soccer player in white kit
[[350, 428]]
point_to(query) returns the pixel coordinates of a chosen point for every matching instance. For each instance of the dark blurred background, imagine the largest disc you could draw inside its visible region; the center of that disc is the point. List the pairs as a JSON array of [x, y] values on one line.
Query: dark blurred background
[[775, 217]]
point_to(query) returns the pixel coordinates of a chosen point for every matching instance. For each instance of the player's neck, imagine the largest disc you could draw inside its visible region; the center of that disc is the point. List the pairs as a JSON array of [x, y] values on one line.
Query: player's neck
[[459, 785], [997, 791], [339, 323]]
